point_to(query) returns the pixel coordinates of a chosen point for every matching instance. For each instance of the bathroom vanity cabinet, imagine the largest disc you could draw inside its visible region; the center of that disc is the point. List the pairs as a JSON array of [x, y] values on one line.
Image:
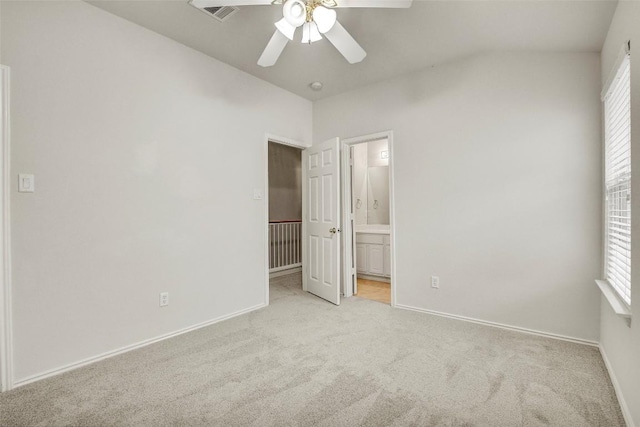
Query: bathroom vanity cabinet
[[373, 254]]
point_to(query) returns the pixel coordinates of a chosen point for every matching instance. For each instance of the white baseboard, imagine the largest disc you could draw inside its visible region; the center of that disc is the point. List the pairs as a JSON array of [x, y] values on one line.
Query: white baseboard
[[131, 347], [374, 278], [285, 272], [626, 413], [500, 325]]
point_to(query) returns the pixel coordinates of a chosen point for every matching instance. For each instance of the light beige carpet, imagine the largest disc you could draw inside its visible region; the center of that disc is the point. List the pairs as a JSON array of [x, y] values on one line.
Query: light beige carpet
[[302, 361]]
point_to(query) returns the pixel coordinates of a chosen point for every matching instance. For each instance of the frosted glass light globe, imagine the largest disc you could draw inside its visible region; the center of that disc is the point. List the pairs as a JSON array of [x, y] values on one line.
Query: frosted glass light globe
[[295, 12], [310, 33], [324, 18]]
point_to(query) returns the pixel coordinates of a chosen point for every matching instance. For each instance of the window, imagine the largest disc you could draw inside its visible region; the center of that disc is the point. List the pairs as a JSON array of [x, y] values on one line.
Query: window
[[617, 130]]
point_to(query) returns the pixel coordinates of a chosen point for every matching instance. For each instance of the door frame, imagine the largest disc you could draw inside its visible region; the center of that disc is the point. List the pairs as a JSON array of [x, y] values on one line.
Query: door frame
[[348, 230], [291, 143], [6, 331]]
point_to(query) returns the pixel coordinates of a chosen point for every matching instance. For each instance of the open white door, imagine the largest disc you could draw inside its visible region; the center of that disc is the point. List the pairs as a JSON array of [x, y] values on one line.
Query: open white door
[[321, 220]]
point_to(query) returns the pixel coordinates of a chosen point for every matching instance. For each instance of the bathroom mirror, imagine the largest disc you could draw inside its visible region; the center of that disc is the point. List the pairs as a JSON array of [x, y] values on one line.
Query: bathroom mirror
[[370, 182], [378, 195]]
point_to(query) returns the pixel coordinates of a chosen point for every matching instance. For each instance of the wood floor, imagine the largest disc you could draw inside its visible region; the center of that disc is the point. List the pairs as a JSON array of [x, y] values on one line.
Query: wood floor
[[373, 290]]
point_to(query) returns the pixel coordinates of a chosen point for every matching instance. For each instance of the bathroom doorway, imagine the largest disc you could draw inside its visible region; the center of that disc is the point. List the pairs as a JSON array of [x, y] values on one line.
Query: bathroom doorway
[[368, 218]]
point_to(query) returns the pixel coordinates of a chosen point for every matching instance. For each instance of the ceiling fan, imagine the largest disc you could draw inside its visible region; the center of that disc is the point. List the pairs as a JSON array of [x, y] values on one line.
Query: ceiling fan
[[316, 17]]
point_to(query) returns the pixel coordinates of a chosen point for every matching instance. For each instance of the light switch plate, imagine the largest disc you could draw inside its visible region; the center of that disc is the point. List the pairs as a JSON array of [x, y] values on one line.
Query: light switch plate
[[435, 282], [26, 183], [257, 194]]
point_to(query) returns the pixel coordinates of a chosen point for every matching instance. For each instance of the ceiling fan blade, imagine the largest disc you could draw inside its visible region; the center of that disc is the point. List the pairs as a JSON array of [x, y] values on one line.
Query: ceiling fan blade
[[273, 50], [374, 3], [347, 45], [220, 3]]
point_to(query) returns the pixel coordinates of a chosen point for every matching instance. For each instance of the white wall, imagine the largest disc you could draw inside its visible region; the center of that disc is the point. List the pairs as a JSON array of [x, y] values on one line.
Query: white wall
[[146, 154], [497, 185], [620, 343]]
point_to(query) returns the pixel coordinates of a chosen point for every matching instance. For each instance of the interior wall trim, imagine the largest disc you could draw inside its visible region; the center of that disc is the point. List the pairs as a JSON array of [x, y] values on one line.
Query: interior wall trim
[[6, 329], [285, 272], [501, 326], [131, 347], [626, 413], [376, 278]]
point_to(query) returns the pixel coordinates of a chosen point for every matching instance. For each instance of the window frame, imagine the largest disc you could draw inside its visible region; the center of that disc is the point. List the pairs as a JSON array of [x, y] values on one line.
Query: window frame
[[615, 276]]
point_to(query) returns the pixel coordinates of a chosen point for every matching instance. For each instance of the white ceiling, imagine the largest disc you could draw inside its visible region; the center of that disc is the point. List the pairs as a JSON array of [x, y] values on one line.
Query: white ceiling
[[397, 41]]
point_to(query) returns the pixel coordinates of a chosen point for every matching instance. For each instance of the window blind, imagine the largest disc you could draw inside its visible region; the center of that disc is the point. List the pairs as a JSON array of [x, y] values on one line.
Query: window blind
[[617, 123]]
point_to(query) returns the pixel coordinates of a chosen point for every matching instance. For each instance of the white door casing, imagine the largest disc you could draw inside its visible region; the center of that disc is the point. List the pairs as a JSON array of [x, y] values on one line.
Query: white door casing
[[349, 279], [362, 263], [321, 220], [6, 360]]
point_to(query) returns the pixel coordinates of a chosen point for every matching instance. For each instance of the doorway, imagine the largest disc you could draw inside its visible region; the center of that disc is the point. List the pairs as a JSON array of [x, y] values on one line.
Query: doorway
[[368, 218], [318, 242], [284, 215], [328, 235]]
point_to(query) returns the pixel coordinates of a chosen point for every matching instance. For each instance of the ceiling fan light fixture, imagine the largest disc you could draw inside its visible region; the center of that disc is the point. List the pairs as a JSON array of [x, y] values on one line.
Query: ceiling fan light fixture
[[310, 33], [285, 28], [324, 18], [295, 12], [329, 3]]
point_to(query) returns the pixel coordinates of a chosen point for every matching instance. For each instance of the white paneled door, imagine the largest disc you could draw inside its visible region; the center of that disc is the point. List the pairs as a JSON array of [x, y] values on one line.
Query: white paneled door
[[321, 198]]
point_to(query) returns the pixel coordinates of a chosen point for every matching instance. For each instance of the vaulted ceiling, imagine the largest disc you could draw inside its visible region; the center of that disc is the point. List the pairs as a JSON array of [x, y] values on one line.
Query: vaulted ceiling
[[398, 41]]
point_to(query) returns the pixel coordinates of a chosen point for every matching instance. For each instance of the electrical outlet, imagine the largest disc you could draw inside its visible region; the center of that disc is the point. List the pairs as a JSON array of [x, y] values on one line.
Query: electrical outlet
[[435, 282], [164, 299]]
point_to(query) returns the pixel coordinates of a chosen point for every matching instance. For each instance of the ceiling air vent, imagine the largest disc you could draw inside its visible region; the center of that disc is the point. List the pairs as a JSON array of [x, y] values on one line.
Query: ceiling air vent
[[221, 13]]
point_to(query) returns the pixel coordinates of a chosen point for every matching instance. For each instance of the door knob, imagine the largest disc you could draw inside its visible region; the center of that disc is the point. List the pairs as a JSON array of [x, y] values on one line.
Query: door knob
[[333, 230]]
